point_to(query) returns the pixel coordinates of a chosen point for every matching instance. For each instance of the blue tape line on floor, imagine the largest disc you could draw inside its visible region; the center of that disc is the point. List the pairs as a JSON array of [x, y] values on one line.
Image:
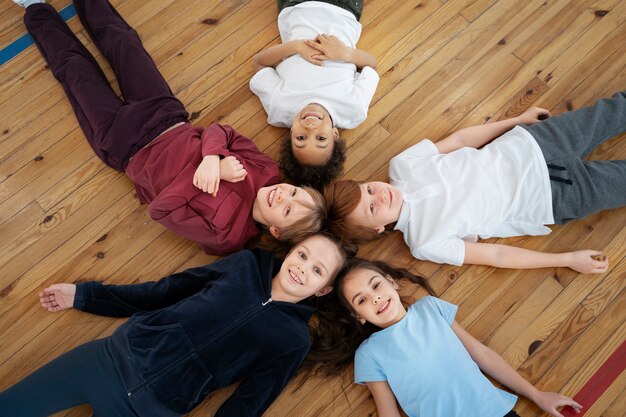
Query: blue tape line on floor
[[16, 47]]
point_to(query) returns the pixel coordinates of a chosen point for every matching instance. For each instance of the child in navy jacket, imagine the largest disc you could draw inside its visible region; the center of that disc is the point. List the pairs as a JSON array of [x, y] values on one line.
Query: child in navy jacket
[[189, 334]]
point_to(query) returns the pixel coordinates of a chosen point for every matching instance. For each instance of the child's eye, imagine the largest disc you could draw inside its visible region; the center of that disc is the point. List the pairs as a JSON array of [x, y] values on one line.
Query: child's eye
[[372, 208], [302, 255], [288, 210], [361, 301], [317, 270], [376, 285], [321, 138], [293, 193], [300, 137], [369, 189]]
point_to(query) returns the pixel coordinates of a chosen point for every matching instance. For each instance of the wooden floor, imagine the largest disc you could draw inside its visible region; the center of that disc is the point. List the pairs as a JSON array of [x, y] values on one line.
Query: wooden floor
[[443, 64]]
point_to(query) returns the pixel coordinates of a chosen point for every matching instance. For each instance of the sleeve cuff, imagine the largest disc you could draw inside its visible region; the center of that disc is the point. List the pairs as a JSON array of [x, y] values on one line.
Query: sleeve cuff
[[79, 297]]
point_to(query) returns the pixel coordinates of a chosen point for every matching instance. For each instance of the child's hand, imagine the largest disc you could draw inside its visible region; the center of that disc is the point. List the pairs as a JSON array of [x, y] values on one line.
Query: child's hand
[[588, 261], [549, 401], [207, 176], [330, 47], [58, 297], [533, 115], [232, 170], [309, 54]]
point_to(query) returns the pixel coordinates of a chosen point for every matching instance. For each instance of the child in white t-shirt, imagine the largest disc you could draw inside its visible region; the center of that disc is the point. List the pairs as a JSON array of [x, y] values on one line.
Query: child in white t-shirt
[[315, 82], [444, 196]]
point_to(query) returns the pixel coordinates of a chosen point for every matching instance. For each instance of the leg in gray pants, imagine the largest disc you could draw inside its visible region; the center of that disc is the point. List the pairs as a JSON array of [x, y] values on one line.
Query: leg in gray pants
[[580, 187]]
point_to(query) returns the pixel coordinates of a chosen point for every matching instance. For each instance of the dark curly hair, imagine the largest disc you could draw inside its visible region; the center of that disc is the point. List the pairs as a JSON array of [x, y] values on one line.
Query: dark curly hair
[[314, 175]]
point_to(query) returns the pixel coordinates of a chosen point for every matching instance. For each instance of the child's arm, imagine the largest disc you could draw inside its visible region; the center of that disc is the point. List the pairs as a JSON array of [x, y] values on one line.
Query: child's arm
[[331, 48], [493, 365], [126, 300], [504, 256], [477, 136], [207, 176], [386, 404], [273, 55], [259, 389]]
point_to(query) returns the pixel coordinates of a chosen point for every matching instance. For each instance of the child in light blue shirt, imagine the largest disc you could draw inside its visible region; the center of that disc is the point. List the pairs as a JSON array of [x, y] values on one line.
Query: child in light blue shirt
[[420, 358], [427, 355]]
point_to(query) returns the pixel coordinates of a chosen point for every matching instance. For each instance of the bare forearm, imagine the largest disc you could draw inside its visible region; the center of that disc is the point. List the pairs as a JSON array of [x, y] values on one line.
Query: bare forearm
[[495, 366], [477, 136], [503, 256], [361, 59], [519, 258], [273, 55]]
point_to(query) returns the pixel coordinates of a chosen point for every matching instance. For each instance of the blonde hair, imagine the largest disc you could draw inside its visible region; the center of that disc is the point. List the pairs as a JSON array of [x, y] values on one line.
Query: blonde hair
[[307, 225], [297, 232]]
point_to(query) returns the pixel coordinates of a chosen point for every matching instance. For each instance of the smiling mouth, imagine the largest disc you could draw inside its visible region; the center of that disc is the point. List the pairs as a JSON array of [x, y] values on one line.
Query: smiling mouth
[[270, 197], [295, 278], [384, 307], [311, 115]]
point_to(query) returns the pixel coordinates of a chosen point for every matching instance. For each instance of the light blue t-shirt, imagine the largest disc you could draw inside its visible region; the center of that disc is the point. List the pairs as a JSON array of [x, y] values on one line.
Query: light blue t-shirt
[[428, 368]]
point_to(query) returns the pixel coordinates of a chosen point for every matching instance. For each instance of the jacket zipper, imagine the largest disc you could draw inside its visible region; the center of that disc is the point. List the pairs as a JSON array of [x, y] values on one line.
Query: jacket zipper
[[142, 385]]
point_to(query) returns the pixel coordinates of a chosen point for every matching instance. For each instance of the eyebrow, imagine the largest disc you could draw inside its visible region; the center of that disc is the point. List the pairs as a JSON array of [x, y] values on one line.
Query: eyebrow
[[359, 293], [368, 213], [317, 146]]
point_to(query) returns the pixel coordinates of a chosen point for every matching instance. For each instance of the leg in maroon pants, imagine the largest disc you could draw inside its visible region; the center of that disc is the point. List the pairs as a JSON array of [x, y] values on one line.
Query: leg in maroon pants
[[115, 129]]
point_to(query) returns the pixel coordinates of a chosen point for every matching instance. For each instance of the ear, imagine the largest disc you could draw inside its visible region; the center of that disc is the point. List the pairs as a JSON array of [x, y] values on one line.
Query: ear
[[380, 229], [335, 133], [392, 281], [324, 291], [274, 232], [359, 318]]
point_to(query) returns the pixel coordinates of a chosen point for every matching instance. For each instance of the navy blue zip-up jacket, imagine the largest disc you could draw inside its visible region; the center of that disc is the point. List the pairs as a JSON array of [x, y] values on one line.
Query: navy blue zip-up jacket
[[202, 329]]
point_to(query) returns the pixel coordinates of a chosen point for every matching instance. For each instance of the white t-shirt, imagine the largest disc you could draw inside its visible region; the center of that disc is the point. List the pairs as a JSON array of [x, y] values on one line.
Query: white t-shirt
[[337, 86], [427, 367], [501, 190]]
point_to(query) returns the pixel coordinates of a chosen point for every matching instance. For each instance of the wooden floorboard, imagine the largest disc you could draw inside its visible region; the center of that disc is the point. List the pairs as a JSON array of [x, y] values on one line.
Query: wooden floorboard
[[444, 65]]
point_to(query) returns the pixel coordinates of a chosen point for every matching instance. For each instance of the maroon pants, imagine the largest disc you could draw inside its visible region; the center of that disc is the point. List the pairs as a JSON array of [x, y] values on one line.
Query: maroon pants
[[115, 127]]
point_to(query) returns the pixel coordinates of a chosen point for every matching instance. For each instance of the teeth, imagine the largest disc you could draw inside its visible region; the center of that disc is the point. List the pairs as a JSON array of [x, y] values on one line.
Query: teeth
[[295, 278], [311, 116], [271, 197]]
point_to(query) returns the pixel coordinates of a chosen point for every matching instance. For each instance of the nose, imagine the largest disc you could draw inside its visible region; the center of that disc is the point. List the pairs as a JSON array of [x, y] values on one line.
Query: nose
[[310, 123], [281, 195], [376, 299], [382, 196]]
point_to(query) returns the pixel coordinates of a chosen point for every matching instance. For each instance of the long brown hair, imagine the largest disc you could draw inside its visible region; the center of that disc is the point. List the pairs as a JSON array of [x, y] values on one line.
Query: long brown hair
[[342, 197], [337, 334]]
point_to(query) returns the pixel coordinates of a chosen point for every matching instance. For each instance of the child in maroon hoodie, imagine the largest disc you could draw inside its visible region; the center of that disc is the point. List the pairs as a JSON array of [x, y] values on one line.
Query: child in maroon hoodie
[[213, 186]]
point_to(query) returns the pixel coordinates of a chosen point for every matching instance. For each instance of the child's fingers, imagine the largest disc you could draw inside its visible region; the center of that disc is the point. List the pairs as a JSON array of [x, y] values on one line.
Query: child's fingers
[[543, 115]]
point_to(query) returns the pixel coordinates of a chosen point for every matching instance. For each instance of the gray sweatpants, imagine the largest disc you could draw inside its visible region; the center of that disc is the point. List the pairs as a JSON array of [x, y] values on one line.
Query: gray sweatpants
[[581, 187]]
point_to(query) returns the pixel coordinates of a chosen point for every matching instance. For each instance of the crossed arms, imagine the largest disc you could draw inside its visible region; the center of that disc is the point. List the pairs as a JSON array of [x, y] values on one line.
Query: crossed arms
[[322, 48]]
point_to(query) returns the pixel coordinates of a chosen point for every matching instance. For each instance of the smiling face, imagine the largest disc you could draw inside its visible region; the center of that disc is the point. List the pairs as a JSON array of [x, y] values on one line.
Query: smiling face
[[307, 270], [379, 206], [280, 206], [313, 135], [373, 297]]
